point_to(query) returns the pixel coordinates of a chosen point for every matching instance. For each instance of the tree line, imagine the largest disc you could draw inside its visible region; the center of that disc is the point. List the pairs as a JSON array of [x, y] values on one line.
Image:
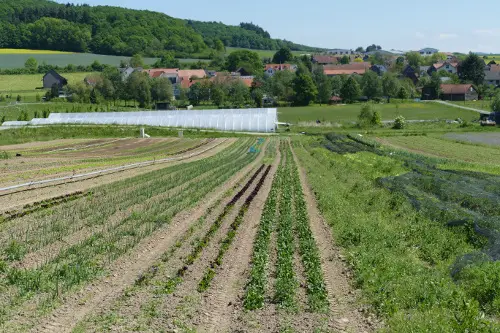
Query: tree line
[[42, 24]]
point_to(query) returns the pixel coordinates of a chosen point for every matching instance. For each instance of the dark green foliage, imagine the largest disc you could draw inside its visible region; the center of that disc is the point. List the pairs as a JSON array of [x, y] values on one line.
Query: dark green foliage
[[472, 69], [282, 56], [350, 91], [249, 60], [305, 89], [372, 85], [344, 60]]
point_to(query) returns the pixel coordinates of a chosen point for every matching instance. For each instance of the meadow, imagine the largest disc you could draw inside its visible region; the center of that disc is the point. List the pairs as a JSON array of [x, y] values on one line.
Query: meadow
[[348, 113], [262, 53]]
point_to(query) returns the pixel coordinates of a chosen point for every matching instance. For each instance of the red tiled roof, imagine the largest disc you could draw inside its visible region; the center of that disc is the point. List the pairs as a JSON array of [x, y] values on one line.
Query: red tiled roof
[[351, 66], [226, 79], [495, 68], [154, 72], [324, 59], [278, 66], [454, 89], [199, 73], [344, 71], [441, 64], [335, 99]]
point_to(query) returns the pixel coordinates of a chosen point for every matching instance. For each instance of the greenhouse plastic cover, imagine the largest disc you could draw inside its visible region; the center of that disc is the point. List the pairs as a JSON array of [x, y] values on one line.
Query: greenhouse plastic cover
[[248, 120], [15, 123]]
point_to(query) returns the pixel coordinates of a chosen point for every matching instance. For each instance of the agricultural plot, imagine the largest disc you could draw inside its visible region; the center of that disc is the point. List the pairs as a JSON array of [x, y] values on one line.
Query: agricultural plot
[[175, 248], [395, 214], [31, 162]]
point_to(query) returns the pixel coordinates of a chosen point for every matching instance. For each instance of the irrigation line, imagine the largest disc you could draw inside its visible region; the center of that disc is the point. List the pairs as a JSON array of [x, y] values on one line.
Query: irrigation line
[[107, 171]]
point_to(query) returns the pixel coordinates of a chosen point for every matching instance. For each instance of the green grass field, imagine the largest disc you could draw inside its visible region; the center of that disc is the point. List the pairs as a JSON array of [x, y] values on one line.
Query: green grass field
[[349, 113], [262, 53], [480, 105], [26, 51], [495, 57], [28, 83]]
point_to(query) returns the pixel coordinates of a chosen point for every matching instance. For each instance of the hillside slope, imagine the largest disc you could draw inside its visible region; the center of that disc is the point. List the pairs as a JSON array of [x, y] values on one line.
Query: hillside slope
[[43, 24]]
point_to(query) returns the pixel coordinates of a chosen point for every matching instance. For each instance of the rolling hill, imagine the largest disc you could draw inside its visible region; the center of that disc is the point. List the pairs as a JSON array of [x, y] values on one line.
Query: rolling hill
[[43, 24]]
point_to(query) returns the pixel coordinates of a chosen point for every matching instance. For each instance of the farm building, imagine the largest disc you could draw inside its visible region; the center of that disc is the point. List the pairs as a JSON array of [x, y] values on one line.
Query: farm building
[[458, 92], [358, 68], [51, 78]]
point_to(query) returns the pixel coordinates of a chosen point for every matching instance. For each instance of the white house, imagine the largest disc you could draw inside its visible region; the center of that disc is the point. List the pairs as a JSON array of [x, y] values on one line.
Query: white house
[[271, 69], [427, 52]]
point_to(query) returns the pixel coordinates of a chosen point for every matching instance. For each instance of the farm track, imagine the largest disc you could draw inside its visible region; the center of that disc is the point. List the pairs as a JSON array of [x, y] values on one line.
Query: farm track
[[125, 270], [342, 298], [17, 200]]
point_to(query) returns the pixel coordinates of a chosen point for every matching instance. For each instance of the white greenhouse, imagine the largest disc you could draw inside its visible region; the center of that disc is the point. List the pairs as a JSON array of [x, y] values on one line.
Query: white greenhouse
[[245, 120]]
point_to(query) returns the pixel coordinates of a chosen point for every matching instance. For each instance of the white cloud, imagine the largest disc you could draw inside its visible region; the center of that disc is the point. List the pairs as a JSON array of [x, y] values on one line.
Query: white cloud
[[419, 35], [488, 32], [447, 36]]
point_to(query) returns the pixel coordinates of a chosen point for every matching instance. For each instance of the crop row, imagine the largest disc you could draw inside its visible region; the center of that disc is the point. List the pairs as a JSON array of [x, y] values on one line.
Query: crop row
[[231, 234], [285, 214], [172, 283], [86, 260], [316, 289], [42, 228], [255, 290]]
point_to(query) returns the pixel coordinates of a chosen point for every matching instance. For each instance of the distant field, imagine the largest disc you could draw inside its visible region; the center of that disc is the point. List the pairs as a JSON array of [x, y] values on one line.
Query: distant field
[[495, 57], [15, 59], [28, 83], [262, 53], [349, 113], [480, 105], [25, 51]]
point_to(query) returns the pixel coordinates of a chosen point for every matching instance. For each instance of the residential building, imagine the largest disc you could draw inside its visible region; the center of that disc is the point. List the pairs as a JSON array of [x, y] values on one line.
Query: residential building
[[324, 60], [424, 70], [358, 68], [427, 52], [411, 74], [492, 78], [379, 69], [450, 67], [53, 78], [271, 69], [125, 72], [458, 92]]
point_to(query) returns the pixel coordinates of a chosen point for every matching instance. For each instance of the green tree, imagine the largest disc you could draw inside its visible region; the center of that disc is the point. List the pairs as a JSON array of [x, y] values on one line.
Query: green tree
[[238, 93], [369, 117], [414, 60], [350, 91], [403, 93], [218, 96], [345, 60], [282, 56], [219, 46], [106, 88], [139, 88], [162, 90], [280, 85], [390, 85], [360, 49], [54, 91], [323, 85], [247, 59], [167, 60], [495, 104], [472, 69], [305, 89], [432, 87], [195, 94], [31, 64], [136, 61], [337, 83], [371, 85]]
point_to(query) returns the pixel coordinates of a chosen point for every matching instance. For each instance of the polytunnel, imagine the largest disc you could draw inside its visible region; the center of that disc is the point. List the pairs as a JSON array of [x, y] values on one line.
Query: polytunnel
[[245, 120]]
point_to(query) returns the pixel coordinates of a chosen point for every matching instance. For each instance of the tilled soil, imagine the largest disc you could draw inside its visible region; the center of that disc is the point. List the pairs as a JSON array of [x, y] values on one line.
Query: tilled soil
[[125, 270], [19, 199]]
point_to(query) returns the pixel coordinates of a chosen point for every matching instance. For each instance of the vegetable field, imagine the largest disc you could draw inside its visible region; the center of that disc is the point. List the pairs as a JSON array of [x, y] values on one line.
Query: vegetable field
[[310, 233], [222, 222]]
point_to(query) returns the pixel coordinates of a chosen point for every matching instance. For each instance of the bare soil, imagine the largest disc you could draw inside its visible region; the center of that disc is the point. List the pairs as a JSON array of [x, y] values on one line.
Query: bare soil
[[19, 199]]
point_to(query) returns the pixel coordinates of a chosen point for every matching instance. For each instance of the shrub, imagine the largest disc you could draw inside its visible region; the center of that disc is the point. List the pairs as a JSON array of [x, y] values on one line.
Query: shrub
[[369, 117], [2, 120], [18, 98], [38, 98], [399, 122]]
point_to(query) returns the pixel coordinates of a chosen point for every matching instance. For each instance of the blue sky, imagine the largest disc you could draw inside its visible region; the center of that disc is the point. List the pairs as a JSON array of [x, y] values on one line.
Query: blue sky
[[447, 25]]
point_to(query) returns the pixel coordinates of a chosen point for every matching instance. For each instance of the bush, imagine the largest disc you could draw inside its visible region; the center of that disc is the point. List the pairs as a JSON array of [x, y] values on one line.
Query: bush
[[38, 98], [369, 117], [18, 98], [399, 122], [2, 120]]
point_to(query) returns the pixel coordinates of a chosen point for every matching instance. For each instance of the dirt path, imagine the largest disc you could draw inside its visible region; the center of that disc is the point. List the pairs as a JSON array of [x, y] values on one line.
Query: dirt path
[[125, 270], [18, 200], [229, 284], [342, 297]]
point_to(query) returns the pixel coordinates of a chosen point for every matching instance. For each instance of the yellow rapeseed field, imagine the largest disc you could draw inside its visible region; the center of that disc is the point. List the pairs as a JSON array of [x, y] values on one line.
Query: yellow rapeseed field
[[25, 51]]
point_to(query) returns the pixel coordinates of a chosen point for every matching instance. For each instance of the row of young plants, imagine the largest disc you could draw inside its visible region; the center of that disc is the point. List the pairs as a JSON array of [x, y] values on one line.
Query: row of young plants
[[172, 283], [85, 261], [256, 286], [286, 279], [400, 258], [286, 210], [316, 289], [231, 234], [44, 227]]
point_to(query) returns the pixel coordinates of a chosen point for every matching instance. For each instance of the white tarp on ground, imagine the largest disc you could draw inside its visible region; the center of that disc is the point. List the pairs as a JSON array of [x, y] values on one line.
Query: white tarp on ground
[[248, 120]]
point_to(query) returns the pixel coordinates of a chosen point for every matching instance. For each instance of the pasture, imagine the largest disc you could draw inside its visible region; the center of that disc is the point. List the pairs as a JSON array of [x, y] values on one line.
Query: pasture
[[304, 116], [262, 53]]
